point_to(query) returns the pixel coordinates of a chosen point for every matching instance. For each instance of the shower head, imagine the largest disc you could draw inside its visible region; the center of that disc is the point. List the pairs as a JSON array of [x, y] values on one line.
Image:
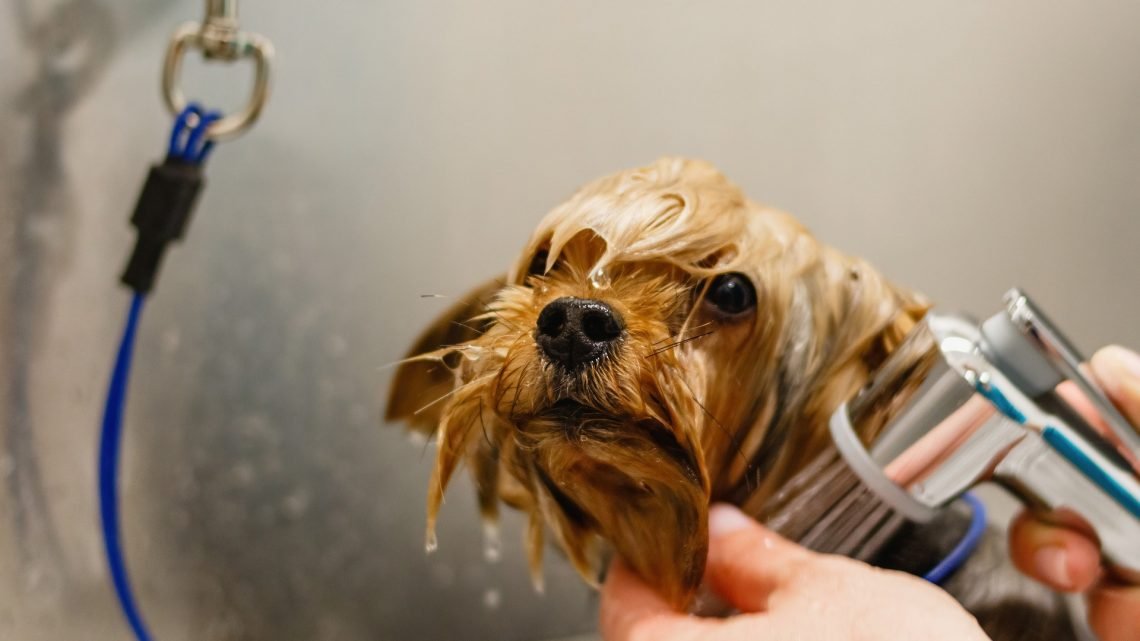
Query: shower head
[[961, 403]]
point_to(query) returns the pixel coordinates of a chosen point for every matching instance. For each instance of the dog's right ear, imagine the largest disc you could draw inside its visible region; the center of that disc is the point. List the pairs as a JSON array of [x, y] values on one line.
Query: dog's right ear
[[418, 384]]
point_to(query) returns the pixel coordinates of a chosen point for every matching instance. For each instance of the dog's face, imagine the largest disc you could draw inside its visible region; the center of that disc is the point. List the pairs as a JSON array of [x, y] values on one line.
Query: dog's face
[[660, 343]]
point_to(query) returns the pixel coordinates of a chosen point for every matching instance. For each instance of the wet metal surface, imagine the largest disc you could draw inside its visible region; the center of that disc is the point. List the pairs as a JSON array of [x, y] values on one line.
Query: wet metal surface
[[407, 149]]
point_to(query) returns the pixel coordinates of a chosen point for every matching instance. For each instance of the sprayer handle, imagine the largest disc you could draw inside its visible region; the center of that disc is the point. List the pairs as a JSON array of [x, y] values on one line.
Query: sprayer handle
[[1065, 483]]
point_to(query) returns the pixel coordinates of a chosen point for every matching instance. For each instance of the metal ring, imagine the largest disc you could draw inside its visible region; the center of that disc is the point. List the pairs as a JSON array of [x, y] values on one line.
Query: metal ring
[[246, 45]]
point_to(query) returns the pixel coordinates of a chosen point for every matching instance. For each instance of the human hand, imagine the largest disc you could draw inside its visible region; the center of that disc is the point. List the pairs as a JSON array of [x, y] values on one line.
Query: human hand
[[1067, 560], [784, 592]]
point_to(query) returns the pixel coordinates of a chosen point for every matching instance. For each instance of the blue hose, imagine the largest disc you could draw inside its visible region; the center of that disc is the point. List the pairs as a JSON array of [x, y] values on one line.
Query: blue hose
[[965, 547], [109, 469]]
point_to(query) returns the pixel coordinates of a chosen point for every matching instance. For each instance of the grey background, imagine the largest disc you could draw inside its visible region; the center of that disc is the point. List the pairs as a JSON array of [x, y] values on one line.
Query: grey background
[[409, 148]]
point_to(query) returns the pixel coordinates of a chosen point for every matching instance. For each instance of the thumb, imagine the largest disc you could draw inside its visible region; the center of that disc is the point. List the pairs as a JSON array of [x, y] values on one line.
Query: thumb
[[632, 611], [748, 562]]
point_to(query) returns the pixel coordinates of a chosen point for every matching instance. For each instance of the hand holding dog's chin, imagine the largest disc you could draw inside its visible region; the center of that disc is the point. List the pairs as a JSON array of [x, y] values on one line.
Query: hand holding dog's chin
[[784, 591], [1066, 560]]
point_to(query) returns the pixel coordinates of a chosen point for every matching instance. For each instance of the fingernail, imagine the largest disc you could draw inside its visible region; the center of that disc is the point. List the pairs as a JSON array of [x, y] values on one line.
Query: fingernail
[[1124, 361], [725, 519], [1052, 564]]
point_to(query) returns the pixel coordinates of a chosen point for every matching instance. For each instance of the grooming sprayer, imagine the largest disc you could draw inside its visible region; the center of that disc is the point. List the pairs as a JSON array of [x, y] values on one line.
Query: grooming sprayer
[[960, 403]]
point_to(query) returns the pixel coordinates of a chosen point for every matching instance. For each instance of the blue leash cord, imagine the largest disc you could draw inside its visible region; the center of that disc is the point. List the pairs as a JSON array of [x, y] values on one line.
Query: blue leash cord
[[109, 468], [961, 552], [188, 146]]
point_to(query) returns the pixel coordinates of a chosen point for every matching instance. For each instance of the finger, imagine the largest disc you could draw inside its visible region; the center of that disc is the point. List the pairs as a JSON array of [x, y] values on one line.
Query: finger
[[747, 562], [633, 611], [1077, 399], [1061, 558], [1117, 370], [1114, 613]]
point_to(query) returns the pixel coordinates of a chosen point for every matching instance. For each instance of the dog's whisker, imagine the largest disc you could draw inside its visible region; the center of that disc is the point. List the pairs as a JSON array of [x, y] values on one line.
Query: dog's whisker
[[466, 326], [499, 317], [453, 392], [432, 296], [680, 342], [739, 450], [678, 335]]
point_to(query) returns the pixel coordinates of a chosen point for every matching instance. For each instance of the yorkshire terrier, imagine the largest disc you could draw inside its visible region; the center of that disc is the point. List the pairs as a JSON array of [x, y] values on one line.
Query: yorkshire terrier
[[661, 343]]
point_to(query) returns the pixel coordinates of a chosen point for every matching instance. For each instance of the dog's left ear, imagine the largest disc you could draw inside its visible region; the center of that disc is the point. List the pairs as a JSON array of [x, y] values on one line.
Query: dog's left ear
[[418, 384]]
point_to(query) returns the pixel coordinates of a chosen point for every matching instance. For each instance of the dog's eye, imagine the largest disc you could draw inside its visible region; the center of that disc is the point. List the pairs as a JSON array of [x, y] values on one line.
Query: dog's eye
[[538, 263], [731, 294]]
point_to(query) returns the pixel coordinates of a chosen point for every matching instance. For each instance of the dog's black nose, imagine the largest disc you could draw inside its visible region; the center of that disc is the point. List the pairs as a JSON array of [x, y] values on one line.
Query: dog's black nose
[[574, 332]]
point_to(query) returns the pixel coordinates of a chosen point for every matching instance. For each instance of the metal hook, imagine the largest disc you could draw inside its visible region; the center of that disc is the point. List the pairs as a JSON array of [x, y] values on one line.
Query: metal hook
[[219, 38]]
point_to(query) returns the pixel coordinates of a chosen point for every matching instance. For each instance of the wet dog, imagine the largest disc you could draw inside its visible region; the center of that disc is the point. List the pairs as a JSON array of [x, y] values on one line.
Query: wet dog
[[662, 342]]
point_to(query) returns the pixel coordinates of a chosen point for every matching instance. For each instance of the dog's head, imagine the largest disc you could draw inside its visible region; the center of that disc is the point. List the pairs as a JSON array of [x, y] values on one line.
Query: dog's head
[[661, 342]]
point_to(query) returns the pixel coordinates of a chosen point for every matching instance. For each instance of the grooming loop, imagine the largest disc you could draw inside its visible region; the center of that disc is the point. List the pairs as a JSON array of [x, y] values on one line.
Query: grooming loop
[[219, 38]]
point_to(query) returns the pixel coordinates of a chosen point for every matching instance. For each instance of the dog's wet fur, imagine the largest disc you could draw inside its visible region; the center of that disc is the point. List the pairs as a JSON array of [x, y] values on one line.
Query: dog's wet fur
[[662, 343]]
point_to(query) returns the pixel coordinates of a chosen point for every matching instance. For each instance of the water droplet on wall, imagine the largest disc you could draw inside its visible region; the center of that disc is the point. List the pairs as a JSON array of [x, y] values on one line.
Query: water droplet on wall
[[492, 543]]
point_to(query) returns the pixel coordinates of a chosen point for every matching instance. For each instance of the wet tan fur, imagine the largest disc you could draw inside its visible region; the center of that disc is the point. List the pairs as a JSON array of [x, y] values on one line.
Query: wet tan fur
[[690, 408]]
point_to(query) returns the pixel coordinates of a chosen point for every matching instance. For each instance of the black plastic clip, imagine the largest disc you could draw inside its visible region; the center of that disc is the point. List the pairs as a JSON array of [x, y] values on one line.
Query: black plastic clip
[[161, 215]]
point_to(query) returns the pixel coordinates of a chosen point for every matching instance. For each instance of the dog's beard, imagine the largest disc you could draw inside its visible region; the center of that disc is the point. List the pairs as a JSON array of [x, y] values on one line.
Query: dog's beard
[[605, 456], [627, 480]]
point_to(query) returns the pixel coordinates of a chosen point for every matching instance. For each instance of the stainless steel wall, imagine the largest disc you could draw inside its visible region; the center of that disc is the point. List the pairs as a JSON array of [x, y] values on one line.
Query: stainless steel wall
[[408, 148]]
